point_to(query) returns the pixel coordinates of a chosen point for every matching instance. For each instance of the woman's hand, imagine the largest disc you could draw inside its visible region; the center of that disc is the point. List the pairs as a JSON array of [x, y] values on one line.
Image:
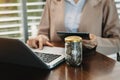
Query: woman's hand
[[39, 42], [92, 43]]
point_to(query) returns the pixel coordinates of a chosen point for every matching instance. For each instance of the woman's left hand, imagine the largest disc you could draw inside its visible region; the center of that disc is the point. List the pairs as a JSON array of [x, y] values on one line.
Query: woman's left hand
[[92, 43]]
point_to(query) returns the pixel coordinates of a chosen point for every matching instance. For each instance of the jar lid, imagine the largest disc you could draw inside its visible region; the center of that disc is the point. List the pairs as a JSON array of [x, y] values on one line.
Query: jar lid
[[73, 39]]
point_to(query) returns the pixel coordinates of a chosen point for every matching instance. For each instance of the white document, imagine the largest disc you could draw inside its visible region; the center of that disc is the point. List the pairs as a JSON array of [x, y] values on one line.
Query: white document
[[51, 50]]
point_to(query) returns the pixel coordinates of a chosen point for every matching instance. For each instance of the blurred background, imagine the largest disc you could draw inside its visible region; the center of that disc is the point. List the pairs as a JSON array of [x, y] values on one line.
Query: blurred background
[[20, 18], [13, 16]]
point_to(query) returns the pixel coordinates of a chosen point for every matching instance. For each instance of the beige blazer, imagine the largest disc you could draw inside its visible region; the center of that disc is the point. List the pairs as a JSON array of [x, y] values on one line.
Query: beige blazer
[[98, 17]]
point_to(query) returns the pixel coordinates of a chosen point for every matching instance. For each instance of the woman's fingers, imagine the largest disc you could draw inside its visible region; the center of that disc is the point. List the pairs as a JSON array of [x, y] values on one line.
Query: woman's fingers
[[49, 44], [32, 43], [90, 43], [41, 43], [43, 40]]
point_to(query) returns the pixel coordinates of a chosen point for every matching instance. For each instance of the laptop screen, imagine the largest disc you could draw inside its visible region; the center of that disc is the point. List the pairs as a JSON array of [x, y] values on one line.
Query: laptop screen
[[16, 52]]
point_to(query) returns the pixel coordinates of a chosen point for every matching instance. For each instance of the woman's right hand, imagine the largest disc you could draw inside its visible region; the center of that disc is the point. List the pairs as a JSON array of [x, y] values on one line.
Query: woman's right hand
[[39, 42]]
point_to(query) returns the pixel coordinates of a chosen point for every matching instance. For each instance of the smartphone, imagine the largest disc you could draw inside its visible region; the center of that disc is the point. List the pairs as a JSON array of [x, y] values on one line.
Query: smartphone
[[84, 35]]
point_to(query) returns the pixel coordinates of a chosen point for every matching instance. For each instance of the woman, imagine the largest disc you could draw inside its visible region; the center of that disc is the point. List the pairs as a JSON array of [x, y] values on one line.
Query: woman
[[98, 17]]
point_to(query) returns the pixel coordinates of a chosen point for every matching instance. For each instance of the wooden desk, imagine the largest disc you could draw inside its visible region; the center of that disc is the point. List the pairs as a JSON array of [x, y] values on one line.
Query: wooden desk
[[94, 67]]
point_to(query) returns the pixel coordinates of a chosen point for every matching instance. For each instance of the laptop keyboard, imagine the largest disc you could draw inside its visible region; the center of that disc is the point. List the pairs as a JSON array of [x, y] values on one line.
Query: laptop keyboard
[[47, 58]]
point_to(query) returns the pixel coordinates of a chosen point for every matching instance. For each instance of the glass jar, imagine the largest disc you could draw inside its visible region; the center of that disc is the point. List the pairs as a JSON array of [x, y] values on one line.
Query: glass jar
[[73, 50]]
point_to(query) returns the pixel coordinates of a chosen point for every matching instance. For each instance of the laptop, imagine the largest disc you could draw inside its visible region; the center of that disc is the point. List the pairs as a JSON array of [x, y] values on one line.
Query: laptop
[[16, 52]]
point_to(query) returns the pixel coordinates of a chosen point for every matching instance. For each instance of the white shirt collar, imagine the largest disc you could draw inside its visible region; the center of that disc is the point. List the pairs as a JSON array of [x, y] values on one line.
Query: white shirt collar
[[72, 2]]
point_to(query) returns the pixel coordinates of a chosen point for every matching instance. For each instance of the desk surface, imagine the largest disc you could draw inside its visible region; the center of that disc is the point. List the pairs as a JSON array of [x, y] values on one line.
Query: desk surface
[[94, 67]]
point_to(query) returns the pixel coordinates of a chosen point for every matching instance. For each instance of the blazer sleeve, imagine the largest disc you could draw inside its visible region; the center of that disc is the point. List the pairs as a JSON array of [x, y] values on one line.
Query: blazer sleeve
[[110, 41], [44, 26]]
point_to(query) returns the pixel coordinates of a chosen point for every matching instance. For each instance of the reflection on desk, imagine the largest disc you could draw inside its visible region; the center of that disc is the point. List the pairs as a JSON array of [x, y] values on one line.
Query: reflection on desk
[[94, 67]]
